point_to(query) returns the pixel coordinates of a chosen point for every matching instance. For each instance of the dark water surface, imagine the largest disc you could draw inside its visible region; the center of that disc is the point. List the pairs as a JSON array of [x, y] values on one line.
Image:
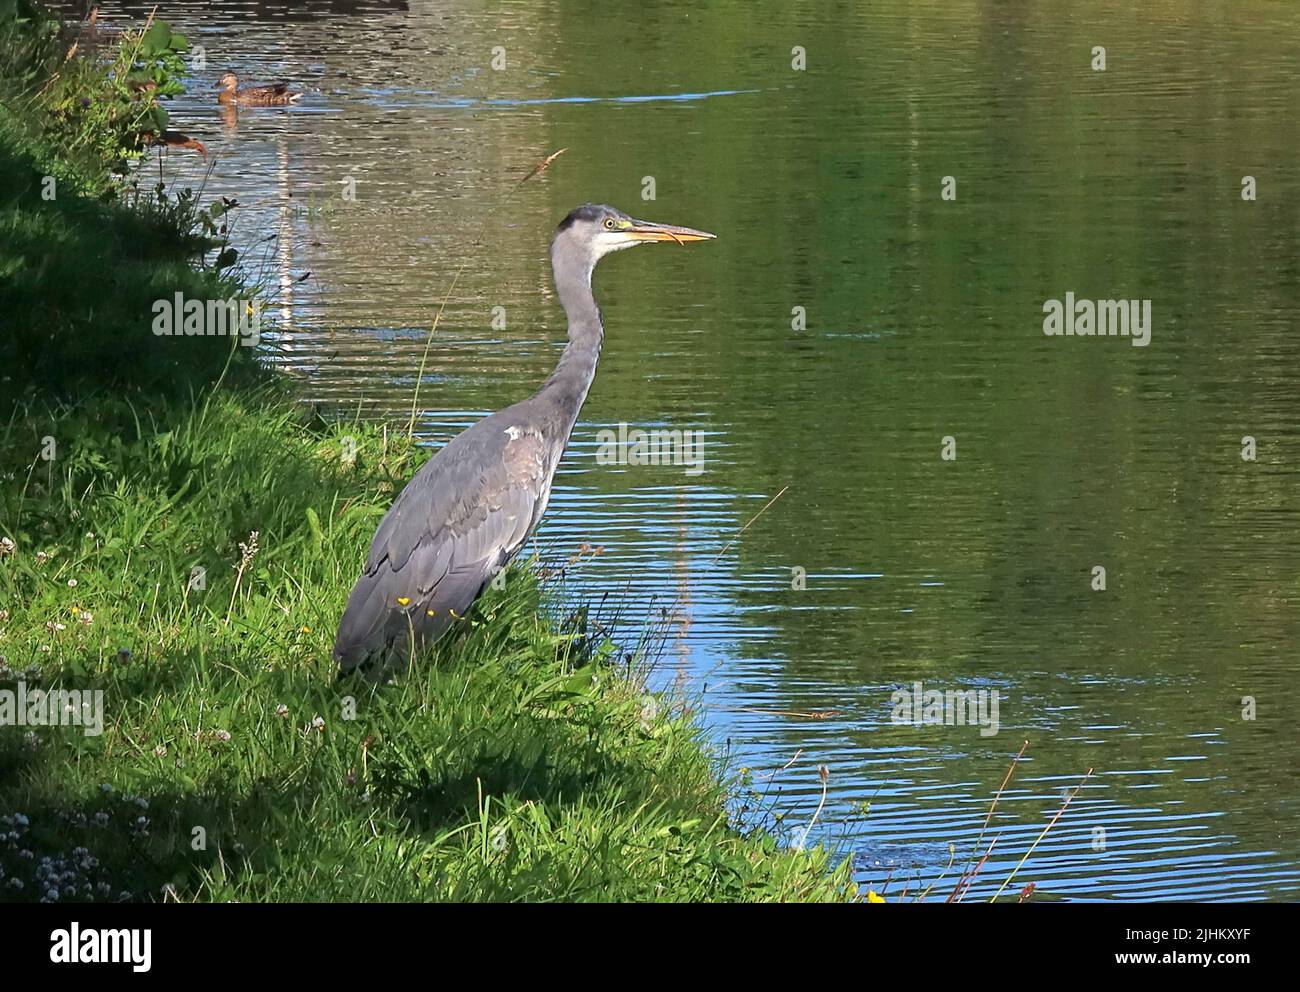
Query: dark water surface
[[924, 320]]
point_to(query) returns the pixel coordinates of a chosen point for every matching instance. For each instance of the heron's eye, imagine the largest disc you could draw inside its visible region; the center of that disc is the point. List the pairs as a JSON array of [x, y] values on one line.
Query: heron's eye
[[609, 223]]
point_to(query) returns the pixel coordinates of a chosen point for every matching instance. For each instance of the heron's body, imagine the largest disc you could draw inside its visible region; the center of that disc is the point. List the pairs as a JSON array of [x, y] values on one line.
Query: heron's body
[[474, 504]]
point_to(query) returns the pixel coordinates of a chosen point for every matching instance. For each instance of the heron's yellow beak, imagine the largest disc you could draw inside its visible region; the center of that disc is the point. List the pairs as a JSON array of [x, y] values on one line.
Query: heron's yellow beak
[[645, 231]]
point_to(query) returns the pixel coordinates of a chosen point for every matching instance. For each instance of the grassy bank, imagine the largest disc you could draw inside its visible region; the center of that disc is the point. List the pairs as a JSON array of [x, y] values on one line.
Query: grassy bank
[[177, 533]]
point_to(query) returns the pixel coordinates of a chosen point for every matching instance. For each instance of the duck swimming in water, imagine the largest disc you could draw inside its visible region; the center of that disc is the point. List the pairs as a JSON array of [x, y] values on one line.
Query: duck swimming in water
[[175, 139], [275, 95]]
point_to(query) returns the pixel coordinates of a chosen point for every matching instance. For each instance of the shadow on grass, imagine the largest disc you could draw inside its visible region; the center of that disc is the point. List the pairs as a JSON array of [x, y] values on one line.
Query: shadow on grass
[[84, 276]]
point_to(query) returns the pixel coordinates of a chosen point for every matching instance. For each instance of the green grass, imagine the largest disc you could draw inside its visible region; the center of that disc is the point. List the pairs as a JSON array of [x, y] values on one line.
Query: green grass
[[522, 758], [520, 761], [78, 278], [82, 259]]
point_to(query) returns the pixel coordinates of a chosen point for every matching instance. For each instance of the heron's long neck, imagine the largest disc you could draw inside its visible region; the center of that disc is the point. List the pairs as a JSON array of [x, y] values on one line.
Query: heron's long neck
[[567, 387]]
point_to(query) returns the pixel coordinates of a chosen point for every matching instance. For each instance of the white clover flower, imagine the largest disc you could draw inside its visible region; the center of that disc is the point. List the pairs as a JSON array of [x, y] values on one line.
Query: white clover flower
[[221, 735], [72, 583], [282, 710]]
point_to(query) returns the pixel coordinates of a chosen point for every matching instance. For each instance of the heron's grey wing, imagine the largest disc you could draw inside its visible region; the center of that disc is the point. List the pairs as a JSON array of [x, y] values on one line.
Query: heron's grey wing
[[457, 521]]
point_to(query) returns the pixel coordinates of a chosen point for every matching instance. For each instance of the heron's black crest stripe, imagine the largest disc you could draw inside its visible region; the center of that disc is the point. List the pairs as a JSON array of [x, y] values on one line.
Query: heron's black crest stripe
[[588, 211]]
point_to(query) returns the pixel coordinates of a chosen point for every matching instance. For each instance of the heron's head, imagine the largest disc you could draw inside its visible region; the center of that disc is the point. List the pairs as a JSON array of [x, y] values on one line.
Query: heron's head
[[228, 81], [593, 231]]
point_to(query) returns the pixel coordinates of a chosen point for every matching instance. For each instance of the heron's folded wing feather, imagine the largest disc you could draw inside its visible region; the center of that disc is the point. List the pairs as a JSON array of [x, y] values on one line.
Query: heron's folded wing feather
[[476, 493], [458, 520]]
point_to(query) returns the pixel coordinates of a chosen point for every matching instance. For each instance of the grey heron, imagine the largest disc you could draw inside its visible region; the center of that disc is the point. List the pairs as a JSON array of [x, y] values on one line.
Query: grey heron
[[473, 505]]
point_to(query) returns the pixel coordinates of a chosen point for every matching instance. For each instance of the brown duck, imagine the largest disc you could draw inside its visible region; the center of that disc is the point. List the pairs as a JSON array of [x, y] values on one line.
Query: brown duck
[[276, 95], [175, 139]]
